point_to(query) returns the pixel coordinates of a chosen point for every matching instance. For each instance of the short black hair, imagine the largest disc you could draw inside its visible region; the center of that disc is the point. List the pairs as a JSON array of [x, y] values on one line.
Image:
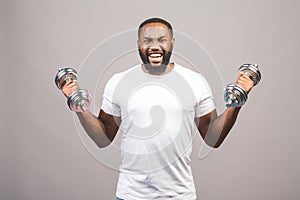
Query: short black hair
[[155, 20]]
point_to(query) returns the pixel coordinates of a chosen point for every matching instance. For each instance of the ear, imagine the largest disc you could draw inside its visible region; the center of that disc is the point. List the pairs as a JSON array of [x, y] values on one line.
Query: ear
[[138, 41], [173, 42]]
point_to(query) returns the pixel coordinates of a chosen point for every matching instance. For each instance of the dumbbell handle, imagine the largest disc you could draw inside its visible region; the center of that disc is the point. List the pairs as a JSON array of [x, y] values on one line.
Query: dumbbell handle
[[79, 100], [252, 71], [235, 95]]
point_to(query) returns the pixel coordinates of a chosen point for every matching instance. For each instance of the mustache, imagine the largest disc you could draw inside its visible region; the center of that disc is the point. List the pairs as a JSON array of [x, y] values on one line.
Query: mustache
[[165, 53], [156, 52]]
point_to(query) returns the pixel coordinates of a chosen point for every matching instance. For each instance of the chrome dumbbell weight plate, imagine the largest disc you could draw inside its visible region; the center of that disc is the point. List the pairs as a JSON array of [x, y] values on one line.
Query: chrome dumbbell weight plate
[[252, 71], [235, 95], [64, 75], [79, 100]]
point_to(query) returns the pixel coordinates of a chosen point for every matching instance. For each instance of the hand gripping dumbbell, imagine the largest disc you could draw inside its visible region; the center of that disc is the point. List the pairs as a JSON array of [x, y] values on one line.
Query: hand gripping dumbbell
[[235, 95], [79, 100]]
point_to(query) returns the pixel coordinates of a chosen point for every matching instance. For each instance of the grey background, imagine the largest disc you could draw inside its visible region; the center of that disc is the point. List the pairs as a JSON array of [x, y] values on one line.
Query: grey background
[[41, 155]]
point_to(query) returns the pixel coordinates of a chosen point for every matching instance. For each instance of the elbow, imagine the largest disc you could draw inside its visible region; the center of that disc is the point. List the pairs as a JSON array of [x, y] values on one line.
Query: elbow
[[101, 141], [214, 145], [102, 144]]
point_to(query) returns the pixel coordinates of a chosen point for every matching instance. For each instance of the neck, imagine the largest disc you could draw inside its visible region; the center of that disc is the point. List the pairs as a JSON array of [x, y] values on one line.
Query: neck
[[169, 68]]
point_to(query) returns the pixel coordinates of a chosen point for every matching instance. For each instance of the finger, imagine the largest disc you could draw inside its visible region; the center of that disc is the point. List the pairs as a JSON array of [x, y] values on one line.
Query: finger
[[242, 75], [70, 81], [68, 91], [244, 80], [71, 84], [241, 79], [245, 77]]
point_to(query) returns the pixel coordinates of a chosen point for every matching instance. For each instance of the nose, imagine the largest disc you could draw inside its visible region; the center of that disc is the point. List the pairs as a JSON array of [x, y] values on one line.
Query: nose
[[154, 46]]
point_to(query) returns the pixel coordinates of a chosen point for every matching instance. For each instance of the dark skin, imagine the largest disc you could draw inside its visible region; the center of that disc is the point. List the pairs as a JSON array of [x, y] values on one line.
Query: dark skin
[[157, 37]]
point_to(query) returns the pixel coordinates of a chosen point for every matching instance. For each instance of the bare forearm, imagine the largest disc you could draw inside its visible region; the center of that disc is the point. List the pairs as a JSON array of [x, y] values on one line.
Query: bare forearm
[[95, 128], [220, 127]]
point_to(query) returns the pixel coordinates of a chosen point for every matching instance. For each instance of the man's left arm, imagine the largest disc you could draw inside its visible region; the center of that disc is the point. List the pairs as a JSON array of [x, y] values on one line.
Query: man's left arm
[[214, 128]]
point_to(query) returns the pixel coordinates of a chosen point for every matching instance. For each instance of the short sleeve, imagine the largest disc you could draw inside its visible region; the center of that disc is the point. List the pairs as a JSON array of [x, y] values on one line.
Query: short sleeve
[[204, 107], [109, 105], [205, 100]]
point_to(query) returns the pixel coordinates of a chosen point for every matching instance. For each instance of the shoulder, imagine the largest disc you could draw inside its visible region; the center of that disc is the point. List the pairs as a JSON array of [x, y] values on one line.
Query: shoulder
[[121, 74], [196, 81], [115, 78], [190, 75]]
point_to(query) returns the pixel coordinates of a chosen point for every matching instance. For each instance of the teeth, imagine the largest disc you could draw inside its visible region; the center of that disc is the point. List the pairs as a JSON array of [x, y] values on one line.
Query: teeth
[[155, 55]]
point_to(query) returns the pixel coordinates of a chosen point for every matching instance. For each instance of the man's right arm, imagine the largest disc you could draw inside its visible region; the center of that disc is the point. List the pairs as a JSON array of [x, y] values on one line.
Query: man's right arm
[[102, 129]]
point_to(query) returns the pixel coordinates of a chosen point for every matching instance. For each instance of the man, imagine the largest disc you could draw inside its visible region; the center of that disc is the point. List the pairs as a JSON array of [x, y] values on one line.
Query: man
[[157, 104]]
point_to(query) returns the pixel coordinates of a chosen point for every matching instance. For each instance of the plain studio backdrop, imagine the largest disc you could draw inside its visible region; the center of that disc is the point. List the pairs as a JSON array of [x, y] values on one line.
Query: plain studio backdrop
[[42, 156]]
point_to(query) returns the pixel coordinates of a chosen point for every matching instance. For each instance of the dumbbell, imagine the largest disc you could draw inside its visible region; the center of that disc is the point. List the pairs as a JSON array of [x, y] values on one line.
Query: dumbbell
[[235, 95], [79, 100]]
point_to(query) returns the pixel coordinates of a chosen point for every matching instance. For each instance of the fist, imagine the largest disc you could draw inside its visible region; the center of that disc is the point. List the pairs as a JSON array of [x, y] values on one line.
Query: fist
[[70, 87], [245, 82]]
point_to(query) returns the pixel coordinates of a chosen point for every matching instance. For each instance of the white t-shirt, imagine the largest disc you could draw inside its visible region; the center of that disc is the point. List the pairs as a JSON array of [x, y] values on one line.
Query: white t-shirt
[[157, 113]]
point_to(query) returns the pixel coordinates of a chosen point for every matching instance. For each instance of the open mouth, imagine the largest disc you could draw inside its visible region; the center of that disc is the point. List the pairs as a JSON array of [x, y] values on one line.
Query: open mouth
[[155, 57]]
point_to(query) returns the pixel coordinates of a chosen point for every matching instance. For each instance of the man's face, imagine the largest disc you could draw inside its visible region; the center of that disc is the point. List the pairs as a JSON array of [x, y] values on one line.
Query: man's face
[[155, 45]]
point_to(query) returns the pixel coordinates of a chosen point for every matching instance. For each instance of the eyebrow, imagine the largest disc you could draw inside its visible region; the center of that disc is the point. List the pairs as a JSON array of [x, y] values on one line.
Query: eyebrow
[[152, 38], [162, 37]]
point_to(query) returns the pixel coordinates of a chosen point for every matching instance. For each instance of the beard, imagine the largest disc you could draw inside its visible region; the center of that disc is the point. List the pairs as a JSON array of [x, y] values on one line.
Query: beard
[[156, 69]]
